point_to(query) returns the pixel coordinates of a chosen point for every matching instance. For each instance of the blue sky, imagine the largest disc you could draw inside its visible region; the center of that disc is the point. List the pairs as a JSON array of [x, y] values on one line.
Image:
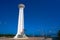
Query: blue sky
[[41, 16]]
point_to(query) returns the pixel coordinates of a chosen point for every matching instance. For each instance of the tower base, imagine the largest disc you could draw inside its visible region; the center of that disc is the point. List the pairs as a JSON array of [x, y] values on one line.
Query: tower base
[[20, 36]]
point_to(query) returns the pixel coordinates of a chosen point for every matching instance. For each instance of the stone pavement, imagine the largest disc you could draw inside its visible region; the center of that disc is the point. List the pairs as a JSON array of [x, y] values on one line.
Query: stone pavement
[[29, 38]]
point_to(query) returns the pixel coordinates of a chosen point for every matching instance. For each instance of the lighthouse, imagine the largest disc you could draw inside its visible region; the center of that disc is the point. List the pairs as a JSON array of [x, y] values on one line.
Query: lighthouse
[[20, 30]]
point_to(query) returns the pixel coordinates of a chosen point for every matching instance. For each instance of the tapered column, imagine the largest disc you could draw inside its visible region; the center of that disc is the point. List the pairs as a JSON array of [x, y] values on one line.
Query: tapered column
[[21, 19], [20, 30]]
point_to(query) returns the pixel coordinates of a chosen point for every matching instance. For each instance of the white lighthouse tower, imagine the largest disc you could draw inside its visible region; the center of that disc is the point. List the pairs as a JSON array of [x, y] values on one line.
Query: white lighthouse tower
[[20, 30]]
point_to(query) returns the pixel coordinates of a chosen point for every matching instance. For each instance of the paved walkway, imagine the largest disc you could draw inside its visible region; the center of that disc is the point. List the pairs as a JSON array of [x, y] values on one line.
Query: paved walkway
[[30, 38]]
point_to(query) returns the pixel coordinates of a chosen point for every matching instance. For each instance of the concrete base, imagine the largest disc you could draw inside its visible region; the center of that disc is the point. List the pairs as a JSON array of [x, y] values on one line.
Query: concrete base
[[20, 36]]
